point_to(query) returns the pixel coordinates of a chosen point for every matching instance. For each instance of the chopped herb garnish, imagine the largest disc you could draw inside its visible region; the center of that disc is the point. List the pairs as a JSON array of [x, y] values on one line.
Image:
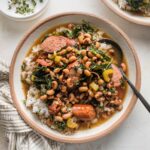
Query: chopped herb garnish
[[41, 78], [23, 6], [97, 51], [84, 27], [67, 33], [112, 90], [61, 125]]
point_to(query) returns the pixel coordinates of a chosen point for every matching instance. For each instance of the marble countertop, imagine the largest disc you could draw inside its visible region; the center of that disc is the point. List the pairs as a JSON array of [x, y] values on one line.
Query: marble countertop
[[134, 133]]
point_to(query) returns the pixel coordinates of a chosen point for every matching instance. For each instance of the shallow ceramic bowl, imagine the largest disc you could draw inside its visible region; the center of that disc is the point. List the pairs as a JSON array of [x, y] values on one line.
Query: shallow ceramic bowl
[[126, 14], [16, 86], [40, 8]]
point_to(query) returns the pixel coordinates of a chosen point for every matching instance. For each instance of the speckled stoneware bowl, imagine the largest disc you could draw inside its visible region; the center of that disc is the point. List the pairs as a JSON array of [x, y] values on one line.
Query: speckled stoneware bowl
[[16, 86], [138, 19]]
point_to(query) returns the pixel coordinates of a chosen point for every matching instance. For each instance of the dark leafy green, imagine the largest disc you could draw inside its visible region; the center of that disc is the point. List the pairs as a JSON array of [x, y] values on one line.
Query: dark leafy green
[[84, 27], [94, 102], [97, 51], [135, 4], [41, 78], [67, 33], [112, 90], [60, 125], [101, 67]]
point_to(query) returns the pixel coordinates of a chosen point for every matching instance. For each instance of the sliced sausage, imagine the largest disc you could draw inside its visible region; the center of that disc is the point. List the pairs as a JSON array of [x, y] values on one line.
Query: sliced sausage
[[116, 76], [84, 111], [54, 43], [42, 62]]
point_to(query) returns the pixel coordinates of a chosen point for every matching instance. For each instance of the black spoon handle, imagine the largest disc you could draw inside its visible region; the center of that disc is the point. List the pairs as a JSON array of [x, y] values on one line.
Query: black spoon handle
[[137, 93]]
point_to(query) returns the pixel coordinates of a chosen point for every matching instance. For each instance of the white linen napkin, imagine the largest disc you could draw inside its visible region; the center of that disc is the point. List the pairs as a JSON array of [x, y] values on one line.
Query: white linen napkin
[[20, 135]]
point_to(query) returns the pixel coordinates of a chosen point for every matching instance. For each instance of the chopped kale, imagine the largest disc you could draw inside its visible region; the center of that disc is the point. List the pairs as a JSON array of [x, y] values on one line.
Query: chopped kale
[[100, 67], [94, 102], [41, 78], [67, 33], [84, 27], [97, 51], [135, 4], [61, 125], [112, 90]]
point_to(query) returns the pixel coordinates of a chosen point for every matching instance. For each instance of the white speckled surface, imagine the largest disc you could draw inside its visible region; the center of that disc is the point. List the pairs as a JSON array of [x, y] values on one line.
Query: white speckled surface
[[134, 133]]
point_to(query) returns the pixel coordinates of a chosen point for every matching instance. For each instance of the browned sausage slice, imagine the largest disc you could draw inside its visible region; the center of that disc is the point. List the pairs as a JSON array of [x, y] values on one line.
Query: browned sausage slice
[[116, 76], [54, 43], [84, 111], [42, 62]]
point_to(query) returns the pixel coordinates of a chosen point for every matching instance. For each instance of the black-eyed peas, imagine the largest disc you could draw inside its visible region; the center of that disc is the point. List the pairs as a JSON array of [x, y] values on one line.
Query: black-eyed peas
[[69, 49], [98, 94], [50, 92], [71, 97], [81, 38], [85, 58], [58, 118], [43, 97], [63, 88], [90, 54], [52, 74], [83, 89], [111, 51], [120, 107], [79, 71], [72, 59], [87, 41], [66, 71], [94, 58], [64, 109], [57, 70], [54, 85], [97, 44], [87, 64], [84, 84], [64, 60], [60, 78], [91, 93], [67, 115], [62, 52], [83, 52], [87, 35], [100, 82], [87, 73], [116, 102], [101, 99], [70, 26], [69, 82]]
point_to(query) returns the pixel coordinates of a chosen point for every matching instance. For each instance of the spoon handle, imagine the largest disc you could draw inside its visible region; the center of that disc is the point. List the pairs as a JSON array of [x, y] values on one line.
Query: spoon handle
[[137, 93]]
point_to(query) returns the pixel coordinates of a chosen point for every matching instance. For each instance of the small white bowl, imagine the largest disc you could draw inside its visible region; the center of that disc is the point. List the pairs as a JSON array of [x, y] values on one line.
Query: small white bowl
[[10, 13], [126, 14], [18, 94]]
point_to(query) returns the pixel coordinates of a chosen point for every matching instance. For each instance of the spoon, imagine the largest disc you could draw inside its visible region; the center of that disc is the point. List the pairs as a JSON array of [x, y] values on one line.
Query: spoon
[[120, 57]]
